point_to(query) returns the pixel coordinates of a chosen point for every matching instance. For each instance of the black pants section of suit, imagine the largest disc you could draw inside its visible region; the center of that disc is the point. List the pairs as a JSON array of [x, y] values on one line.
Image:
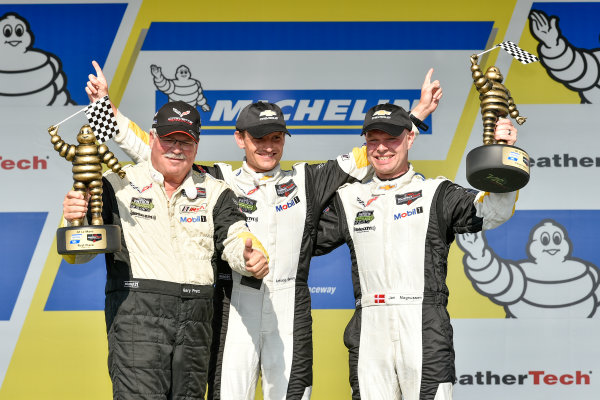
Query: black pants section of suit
[[158, 345], [222, 301]]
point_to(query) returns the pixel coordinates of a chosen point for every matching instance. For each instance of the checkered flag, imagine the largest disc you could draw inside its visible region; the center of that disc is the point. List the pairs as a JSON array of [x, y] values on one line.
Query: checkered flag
[[521, 55], [101, 119]]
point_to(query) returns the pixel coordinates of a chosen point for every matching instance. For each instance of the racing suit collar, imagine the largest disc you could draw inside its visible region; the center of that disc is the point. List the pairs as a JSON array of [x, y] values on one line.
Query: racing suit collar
[[261, 178], [188, 186], [382, 186]]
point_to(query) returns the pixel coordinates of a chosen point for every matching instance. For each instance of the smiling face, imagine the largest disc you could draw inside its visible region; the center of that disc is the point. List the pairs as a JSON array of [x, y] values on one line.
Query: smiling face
[[263, 154], [389, 154], [86, 135], [549, 242], [173, 161], [16, 37], [182, 73], [494, 74]]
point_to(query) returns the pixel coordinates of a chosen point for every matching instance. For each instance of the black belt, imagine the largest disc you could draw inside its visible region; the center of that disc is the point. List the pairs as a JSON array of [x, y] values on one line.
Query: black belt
[[160, 287], [435, 298]]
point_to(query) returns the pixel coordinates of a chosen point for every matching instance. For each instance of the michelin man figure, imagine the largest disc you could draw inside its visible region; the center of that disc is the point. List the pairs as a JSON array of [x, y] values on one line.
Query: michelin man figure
[[182, 88], [577, 69], [28, 76], [495, 99], [549, 284], [87, 158]]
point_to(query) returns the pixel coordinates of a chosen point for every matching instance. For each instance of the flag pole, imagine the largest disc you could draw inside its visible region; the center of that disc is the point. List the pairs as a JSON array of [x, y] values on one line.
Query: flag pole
[[68, 118], [488, 50]]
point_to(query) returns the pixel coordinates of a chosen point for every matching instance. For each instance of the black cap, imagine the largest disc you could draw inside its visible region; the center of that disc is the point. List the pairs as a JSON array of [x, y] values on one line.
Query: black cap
[[387, 117], [260, 119], [177, 117]]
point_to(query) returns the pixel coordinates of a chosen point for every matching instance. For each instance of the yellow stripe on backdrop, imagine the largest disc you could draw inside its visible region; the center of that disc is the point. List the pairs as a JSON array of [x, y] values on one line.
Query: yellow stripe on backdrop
[[62, 355], [530, 84]]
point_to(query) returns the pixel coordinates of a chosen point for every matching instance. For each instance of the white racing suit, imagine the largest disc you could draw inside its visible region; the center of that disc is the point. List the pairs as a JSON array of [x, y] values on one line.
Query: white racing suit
[[159, 287], [266, 326], [399, 232]]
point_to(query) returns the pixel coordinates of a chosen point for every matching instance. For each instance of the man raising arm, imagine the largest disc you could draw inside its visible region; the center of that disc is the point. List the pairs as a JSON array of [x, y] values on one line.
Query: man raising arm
[[399, 227]]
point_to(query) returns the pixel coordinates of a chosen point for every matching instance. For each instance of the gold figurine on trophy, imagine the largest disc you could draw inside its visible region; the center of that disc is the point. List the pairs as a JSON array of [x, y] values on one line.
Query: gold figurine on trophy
[[87, 158], [495, 99], [495, 166]]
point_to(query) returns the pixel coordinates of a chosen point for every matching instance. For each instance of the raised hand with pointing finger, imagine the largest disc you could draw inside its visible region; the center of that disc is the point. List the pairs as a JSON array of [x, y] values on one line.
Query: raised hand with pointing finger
[[431, 94], [97, 87]]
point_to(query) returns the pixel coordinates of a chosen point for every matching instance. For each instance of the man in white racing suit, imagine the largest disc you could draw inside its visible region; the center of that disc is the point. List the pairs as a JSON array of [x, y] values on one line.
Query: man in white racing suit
[[266, 326], [175, 223], [399, 227]]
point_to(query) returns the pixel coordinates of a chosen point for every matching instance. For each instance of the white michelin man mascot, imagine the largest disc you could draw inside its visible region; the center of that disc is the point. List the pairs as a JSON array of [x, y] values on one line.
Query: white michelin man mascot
[[182, 88], [578, 69], [28, 76], [549, 284]]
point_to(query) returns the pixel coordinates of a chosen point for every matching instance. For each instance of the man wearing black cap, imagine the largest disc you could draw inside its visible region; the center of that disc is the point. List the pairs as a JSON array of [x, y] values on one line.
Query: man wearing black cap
[[399, 227], [175, 222], [266, 325]]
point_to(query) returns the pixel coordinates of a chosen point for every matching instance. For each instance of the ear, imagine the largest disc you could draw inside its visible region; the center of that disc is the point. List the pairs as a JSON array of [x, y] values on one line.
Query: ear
[[410, 138], [239, 139]]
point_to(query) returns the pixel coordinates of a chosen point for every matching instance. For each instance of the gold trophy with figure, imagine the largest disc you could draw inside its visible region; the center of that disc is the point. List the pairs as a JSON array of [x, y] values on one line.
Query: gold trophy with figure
[[87, 158], [497, 167]]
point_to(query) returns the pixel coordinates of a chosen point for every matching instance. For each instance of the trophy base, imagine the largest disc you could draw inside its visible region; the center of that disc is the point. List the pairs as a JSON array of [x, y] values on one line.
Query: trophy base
[[88, 239], [497, 168]]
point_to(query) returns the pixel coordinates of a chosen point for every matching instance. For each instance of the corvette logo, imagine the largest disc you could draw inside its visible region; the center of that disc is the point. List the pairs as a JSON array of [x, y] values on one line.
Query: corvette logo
[[372, 199], [142, 190], [181, 114]]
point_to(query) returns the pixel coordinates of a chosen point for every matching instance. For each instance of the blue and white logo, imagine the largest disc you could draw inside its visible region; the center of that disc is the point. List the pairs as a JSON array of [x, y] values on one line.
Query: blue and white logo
[[75, 238], [307, 111]]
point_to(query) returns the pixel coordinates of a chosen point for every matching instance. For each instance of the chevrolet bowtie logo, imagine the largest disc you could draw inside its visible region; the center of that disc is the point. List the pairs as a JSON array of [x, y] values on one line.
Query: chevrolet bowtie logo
[[382, 113], [387, 187]]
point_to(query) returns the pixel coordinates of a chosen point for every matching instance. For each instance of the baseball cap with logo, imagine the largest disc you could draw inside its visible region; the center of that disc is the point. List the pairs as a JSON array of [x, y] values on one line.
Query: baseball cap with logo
[[260, 119], [177, 117], [389, 118]]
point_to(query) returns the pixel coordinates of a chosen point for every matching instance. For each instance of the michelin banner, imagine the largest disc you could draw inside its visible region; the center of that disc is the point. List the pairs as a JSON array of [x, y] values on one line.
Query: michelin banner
[[524, 297]]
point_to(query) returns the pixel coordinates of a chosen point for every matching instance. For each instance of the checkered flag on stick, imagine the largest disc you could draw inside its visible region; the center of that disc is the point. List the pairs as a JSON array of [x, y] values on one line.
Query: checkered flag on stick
[[101, 119], [521, 55]]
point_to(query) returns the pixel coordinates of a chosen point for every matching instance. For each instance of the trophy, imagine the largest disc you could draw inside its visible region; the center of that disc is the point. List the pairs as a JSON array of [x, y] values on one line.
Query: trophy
[[87, 158], [495, 167]]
